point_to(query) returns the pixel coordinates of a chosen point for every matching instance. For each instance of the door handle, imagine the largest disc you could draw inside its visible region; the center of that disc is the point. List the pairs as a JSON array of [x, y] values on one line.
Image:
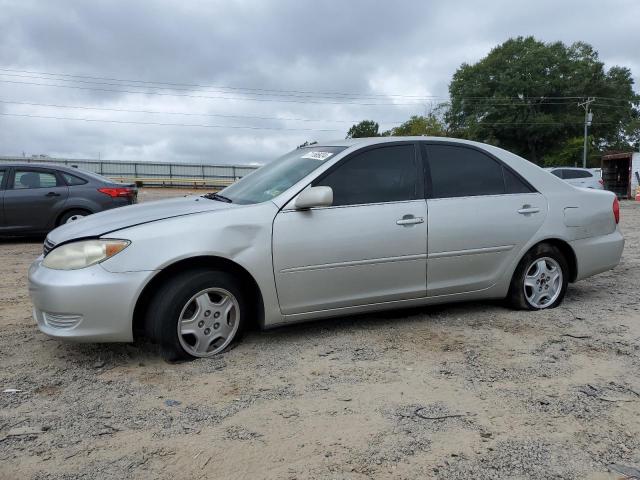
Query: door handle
[[409, 220], [527, 209], [52, 194]]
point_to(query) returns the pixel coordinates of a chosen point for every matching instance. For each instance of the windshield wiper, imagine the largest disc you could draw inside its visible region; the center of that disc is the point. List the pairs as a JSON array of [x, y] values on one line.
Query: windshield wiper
[[217, 196]]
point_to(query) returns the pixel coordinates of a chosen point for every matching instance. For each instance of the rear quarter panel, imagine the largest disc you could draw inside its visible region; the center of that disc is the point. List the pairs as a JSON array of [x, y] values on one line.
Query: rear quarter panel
[[87, 197], [581, 217]]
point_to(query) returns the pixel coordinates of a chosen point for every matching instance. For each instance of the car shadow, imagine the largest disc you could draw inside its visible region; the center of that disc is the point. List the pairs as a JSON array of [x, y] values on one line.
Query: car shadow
[[380, 319], [12, 240], [143, 353]]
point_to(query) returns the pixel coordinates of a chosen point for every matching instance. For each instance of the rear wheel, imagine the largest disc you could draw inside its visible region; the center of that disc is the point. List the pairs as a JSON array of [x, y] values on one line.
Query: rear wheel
[[197, 313], [540, 280], [72, 216]]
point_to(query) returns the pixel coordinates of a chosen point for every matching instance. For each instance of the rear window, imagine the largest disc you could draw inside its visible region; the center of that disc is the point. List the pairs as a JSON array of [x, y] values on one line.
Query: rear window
[[97, 176], [569, 174]]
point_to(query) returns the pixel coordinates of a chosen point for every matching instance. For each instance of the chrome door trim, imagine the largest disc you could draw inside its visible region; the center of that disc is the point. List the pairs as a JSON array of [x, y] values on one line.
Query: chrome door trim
[[403, 258], [471, 251]]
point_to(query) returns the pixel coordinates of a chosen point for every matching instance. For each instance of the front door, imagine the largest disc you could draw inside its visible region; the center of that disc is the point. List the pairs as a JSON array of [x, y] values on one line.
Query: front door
[[481, 213], [33, 200], [370, 246]]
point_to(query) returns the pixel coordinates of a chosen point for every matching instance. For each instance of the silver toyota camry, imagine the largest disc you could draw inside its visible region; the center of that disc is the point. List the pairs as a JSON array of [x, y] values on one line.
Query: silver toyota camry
[[347, 227]]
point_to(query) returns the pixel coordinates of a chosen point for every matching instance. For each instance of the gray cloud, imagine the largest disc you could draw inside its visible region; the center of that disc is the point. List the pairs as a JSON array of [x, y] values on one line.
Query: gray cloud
[[374, 48]]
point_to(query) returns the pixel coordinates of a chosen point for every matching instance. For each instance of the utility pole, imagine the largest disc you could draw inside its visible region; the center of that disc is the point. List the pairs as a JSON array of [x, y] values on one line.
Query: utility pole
[[588, 117]]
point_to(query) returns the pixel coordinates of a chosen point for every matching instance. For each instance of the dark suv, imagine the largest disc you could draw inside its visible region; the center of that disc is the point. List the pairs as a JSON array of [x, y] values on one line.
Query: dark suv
[[36, 198]]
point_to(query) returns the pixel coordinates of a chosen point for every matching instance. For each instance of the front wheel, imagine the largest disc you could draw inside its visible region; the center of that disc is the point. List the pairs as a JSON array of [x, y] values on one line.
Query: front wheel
[[540, 280], [197, 313]]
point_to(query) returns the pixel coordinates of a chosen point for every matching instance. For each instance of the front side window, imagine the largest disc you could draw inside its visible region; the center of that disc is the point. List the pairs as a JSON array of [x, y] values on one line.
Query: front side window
[[384, 174], [466, 172], [25, 179], [278, 176], [557, 173], [1, 177]]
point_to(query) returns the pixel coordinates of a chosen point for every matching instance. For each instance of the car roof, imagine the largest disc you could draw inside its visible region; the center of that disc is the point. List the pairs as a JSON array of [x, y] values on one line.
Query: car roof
[[50, 166], [350, 142], [571, 168]]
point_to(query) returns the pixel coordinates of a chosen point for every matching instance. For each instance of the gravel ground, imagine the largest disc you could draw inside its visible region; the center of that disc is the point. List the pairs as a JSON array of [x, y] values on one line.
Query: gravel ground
[[459, 391]]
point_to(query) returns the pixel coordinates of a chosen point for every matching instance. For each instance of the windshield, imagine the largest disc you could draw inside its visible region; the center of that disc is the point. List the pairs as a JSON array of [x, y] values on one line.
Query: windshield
[[271, 180]]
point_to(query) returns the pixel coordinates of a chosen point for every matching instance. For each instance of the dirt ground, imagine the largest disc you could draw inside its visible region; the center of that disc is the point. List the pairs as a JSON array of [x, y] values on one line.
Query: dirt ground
[[459, 391]]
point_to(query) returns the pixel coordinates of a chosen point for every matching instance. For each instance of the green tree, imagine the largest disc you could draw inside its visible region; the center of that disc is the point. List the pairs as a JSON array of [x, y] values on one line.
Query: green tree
[[419, 126], [366, 128], [570, 153], [524, 96]]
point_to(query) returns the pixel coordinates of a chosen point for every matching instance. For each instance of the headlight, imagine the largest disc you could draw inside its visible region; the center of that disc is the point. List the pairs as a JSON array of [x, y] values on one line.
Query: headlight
[[73, 256]]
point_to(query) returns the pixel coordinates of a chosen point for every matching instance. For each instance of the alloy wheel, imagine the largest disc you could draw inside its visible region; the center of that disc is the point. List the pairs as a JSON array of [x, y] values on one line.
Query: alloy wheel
[[543, 282], [208, 322]]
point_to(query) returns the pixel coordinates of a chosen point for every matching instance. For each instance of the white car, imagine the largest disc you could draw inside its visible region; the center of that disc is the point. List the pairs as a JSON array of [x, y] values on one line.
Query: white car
[[347, 227], [580, 177]]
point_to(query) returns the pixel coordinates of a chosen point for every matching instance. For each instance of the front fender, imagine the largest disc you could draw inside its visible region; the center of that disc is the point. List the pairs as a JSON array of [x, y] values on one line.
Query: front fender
[[241, 235]]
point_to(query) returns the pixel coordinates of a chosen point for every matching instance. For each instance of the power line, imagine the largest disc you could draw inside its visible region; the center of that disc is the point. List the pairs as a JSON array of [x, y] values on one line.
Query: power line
[[274, 92], [132, 122], [25, 115], [257, 92], [219, 115], [353, 94], [159, 112], [77, 87]]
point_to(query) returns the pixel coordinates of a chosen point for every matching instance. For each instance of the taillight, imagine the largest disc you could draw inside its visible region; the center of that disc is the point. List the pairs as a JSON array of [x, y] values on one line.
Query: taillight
[[616, 210], [117, 192], [601, 182]]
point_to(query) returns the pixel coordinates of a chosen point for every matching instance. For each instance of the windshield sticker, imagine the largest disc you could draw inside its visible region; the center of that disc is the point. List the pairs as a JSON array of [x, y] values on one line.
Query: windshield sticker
[[317, 155]]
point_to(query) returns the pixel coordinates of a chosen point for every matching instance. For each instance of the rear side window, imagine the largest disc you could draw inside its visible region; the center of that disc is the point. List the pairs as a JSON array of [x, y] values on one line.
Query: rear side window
[[25, 179], [72, 179], [385, 174], [466, 172], [569, 174], [2, 174]]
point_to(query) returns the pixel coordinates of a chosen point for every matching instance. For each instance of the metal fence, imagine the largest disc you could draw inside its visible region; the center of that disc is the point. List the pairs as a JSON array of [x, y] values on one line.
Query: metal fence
[[150, 174]]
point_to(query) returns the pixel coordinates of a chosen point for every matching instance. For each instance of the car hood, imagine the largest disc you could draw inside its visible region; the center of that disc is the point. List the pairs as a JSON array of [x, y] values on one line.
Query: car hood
[[118, 218]]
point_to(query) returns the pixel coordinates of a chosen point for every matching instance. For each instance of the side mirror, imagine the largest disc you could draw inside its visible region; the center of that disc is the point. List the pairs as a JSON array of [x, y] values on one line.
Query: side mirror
[[314, 197]]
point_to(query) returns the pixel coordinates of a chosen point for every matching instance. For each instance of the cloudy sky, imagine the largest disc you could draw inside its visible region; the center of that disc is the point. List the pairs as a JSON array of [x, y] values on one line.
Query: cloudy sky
[[245, 81]]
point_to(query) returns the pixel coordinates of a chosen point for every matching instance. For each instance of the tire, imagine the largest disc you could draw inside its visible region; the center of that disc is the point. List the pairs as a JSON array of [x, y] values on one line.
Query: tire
[[542, 290], [72, 215], [196, 314]]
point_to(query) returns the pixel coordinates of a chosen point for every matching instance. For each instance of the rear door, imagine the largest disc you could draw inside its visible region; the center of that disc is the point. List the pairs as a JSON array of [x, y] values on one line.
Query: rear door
[[481, 213], [33, 199]]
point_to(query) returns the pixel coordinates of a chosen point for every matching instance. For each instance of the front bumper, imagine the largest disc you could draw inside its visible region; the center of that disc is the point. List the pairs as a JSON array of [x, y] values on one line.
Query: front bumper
[[598, 254], [89, 304]]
